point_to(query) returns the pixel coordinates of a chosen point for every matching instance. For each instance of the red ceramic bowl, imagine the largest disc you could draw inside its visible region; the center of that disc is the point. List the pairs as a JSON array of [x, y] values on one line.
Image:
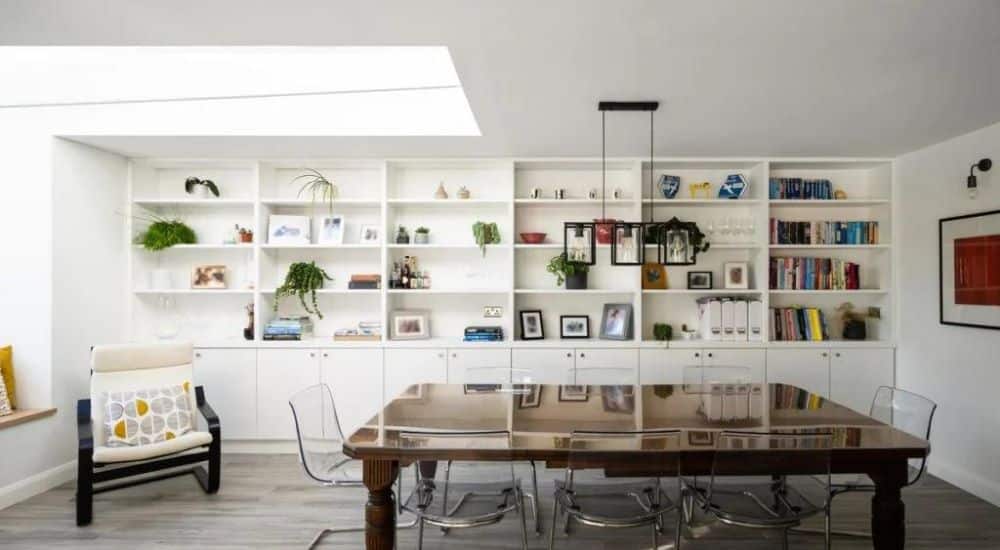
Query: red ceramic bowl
[[533, 238]]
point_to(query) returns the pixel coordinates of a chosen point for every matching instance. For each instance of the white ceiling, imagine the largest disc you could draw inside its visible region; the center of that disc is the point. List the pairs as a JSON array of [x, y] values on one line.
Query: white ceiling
[[782, 77]]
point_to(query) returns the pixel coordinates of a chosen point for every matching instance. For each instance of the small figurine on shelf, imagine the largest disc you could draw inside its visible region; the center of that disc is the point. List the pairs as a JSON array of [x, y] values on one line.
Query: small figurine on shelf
[[441, 193], [703, 188], [840, 195], [249, 330], [402, 237], [245, 234], [463, 192]]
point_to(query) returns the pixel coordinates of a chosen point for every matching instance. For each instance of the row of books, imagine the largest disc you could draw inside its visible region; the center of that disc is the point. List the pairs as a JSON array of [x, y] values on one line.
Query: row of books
[[826, 232], [799, 188], [798, 273], [483, 334], [791, 397], [288, 328], [798, 324], [361, 281]]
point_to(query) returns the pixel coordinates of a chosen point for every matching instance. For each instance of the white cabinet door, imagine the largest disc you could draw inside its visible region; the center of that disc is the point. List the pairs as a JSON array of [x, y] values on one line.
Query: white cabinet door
[[407, 366], [542, 366], [355, 379], [281, 373], [666, 366], [230, 380], [607, 366], [755, 359], [478, 366], [808, 369], [855, 375]]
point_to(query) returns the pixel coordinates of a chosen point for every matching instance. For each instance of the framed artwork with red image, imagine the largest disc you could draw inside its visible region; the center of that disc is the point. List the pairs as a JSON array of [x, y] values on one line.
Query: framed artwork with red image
[[970, 270]]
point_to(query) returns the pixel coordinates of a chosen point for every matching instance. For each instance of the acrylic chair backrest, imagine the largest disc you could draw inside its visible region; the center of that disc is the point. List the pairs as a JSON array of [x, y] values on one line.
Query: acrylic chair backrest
[[908, 412], [317, 428], [636, 453], [698, 375]]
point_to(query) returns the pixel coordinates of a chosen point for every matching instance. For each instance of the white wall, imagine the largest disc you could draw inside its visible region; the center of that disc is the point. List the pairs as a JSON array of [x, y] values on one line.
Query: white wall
[[957, 367]]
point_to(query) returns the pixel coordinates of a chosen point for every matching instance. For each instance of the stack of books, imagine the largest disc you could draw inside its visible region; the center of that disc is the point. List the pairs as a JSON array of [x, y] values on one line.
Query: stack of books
[[367, 331], [483, 334], [798, 188], [790, 397], [361, 281], [289, 328], [798, 324], [814, 274], [856, 232]]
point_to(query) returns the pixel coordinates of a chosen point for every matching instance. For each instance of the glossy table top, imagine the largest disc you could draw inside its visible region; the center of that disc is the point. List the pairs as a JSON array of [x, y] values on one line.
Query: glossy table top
[[540, 419]]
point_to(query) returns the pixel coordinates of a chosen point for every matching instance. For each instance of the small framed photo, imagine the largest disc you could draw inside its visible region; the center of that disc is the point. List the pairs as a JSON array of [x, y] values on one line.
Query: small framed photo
[[283, 229], [737, 275], [331, 230], [531, 325], [616, 322], [370, 234], [410, 325], [531, 397], [481, 388], [208, 277], [654, 276], [574, 326], [700, 438], [618, 399], [573, 394], [699, 280]]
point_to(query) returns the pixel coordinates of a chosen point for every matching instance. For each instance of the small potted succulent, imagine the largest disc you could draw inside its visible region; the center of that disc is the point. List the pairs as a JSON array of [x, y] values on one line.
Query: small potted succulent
[[572, 274], [662, 332], [421, 235]]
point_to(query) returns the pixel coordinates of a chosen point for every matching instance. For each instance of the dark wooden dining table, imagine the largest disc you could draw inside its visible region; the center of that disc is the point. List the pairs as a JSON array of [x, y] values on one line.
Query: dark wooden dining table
[[540, 425]]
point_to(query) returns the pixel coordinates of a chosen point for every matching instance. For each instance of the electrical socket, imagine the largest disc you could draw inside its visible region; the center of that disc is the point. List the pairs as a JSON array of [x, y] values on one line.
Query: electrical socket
[[493, 311]]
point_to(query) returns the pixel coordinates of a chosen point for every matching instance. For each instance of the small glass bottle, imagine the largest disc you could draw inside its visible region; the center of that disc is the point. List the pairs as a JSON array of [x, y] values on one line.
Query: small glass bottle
[[404, 279], [426, 280], [417, 281]]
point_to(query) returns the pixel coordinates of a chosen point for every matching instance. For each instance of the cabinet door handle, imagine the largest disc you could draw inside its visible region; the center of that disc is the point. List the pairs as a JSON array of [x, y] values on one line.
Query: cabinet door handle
[[710, 354], [583, 355], [569, 355], [326, 354], [696, 354], [824, 354], [441, 355], [454, 356], [837, 354], [197, 355], [312, 354]]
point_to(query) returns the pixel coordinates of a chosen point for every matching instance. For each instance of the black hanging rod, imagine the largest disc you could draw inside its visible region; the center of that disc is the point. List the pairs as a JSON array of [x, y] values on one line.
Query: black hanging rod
[[628, 105]]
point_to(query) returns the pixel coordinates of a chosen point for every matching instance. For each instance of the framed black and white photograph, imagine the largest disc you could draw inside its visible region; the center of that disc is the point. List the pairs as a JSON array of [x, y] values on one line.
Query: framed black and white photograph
[[737, 275], [574, 326], [282, 229], [531, 396], [573, 393], [618, 399], [699, 280], [969, 270], [370, 234], [410, 325], [531, 325], [331, 230], [616, 322]]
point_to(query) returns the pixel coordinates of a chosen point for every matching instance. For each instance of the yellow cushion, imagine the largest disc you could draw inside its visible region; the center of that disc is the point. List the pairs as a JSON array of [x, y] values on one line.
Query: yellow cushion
[[7, 372]]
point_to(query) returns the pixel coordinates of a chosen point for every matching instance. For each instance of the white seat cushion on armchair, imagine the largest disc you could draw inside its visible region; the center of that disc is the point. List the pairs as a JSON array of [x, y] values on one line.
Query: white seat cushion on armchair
[[191, 440]]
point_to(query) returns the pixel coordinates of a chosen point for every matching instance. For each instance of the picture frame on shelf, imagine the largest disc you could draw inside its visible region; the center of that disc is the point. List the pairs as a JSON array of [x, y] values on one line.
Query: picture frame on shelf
[[370, 234], [969, 270], [573, 394], [700, 438], [531, 324], [699, 280], [208, 277], [616, 322], [654, 276], [284, 229], [574, 327], [331, 230], [531, 396], [737, 275], [410, 324]]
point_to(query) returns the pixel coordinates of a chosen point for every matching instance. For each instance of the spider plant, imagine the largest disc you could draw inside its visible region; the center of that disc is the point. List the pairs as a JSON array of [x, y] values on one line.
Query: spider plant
[[318, 186]]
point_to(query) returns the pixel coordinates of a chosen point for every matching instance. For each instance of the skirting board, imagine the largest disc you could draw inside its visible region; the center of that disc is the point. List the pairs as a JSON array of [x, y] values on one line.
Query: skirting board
[[983, 488], [37, 484]]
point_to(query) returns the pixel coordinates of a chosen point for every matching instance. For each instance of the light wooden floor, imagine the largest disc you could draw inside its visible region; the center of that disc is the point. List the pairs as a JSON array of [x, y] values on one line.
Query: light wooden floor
[[267, 502]]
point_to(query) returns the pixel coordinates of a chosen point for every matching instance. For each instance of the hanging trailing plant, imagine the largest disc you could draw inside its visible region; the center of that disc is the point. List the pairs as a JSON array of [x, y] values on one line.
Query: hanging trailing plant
[[303, 278], [193, 182], [485, 233], [163, 233], [320, 188]]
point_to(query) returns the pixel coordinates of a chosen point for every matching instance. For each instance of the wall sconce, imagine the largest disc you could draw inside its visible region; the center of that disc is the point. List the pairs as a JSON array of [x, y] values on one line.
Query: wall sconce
[[984, 165]]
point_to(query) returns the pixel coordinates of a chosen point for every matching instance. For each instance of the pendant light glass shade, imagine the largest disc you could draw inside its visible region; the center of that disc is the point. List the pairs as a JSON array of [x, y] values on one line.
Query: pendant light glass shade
[[579, 244], [627, 247]]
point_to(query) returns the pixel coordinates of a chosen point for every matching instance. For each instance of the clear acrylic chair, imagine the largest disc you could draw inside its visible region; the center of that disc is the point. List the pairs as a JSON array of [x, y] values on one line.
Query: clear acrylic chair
[[466, 502], [905, 411], [761, 502], [585, 496], [321, 444], [706, 376]]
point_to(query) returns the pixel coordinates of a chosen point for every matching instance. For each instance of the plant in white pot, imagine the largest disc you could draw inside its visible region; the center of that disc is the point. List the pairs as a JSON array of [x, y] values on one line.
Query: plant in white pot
[[162, 234], [202, 189], [422, 235]]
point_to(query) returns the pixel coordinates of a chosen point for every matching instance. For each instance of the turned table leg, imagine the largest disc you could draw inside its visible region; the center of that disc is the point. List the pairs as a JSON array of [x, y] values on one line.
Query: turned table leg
[[888, 510], [380, 510]]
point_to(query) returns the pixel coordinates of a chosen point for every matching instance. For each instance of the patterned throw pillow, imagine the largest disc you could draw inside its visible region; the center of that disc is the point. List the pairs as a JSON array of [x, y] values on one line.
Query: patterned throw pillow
[[5, 407], [134, 418], [7, 373]]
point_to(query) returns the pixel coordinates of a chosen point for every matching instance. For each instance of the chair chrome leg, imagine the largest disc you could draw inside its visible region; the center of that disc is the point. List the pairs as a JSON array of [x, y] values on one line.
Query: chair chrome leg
[[784, 539], [420, 533], [552, 529], [834, 533], [524, 521], [680, 523], [319, 536], [656, 532], [536, 503]]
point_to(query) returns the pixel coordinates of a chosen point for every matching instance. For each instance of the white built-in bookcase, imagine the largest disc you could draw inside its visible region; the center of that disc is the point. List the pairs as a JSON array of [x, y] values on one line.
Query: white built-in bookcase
[[390, 193]]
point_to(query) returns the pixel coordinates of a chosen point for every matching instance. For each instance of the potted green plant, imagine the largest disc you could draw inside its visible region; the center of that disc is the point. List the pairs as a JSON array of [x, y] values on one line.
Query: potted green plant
[[485, 233], [421, 235], [201, 188], [572, 274], [303, 278], [662, 332], [163, 233], [318, 186]]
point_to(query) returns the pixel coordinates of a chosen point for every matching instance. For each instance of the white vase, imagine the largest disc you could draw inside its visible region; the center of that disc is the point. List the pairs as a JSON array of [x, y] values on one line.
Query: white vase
[[159, 279], [202, 192]]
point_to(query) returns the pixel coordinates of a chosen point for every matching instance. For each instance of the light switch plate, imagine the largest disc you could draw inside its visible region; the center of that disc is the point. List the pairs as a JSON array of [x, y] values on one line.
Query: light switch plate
[[493, 311]]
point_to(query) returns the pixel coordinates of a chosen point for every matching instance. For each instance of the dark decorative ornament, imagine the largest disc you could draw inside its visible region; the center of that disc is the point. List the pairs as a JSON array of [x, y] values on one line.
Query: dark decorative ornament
[[192, 183]]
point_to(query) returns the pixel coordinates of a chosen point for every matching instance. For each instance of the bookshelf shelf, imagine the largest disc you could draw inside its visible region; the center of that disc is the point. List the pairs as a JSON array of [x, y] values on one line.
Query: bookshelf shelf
[[816, 203], [829, 247], [831, 292]]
